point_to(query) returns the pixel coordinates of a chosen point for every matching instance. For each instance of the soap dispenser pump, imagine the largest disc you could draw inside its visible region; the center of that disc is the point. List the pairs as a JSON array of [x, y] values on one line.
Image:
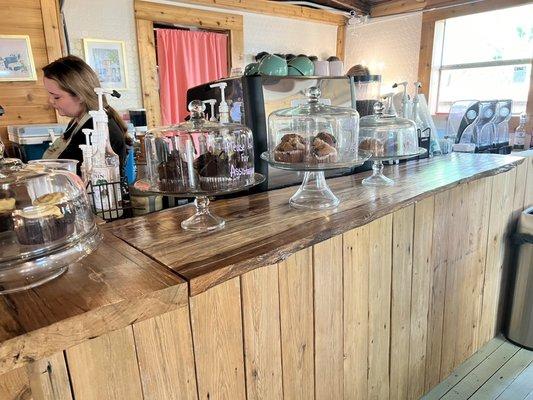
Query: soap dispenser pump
[[223, 109]]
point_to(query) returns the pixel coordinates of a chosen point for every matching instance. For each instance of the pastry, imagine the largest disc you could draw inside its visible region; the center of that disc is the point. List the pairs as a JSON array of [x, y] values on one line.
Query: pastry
[[327, 137], [321, 152], [213, 170], [290, 149], [7, 206], [40, 225], [60, 200], [373, 145], [173, 174]]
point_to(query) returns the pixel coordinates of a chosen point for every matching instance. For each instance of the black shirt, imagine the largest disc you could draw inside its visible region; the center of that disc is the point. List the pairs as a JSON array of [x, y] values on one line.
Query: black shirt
[[73, 151]]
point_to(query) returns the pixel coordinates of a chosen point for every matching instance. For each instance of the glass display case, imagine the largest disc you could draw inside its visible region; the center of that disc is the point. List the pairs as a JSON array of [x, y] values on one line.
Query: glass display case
[[387, 138], [313, 137], [199, 159], [46, 224]]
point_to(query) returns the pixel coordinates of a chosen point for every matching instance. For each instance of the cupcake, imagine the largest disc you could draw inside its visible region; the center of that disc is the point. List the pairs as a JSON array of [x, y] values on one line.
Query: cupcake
[[6, 209], [40, 225], [328, 138], [322, 152], [213, 171], [373, 145], [290, 149], [173, 174]]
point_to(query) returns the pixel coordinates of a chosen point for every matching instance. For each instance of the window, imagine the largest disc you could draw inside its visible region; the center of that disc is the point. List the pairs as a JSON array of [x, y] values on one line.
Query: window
[[483, 56]]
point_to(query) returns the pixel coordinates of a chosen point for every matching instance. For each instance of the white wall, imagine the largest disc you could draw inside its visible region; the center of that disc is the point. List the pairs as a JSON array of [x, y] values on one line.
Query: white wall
[[388, 46], [112, 20], [105, 19]]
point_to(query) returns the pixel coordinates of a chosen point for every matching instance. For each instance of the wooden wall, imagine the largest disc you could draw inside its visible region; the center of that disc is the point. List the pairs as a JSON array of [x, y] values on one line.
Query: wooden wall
[[27, 102], [385, 311]]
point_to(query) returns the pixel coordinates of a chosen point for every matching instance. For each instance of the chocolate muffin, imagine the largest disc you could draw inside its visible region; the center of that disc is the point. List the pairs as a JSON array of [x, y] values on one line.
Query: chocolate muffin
[[40, 225], [373, 145], [173, 174], [328, 138], [321, 152], [213, 170], [290, 149], [7, 206]]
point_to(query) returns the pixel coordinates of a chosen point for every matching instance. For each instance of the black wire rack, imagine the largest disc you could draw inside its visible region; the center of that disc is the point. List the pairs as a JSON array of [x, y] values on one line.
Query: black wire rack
[[110, 200]]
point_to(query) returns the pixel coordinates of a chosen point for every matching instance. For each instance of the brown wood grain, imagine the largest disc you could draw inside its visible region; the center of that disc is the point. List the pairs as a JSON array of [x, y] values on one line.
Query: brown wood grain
[[109, 289], [262, 229], [261, 327], [49, 378], [297, 330], [15, 385]]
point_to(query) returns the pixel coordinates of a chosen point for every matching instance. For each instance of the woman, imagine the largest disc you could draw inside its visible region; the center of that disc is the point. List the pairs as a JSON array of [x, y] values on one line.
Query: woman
[[70, 83]]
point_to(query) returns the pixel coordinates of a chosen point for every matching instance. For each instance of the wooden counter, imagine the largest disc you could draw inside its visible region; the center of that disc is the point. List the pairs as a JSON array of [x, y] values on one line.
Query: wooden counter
[[380, 298]]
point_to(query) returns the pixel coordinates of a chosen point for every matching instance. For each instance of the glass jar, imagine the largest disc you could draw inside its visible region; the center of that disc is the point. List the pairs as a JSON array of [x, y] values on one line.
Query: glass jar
[[313, 134], [46, 224]]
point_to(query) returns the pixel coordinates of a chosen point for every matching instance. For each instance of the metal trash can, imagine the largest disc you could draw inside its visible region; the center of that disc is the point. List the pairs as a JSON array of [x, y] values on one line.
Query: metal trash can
[[520, 325]]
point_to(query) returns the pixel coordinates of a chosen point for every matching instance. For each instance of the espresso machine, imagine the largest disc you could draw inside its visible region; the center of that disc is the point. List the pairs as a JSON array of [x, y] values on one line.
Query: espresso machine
[[460, 127], [251, 99]]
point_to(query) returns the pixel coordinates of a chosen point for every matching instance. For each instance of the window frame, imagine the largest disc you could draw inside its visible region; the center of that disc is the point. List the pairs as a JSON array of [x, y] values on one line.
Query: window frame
[[430, 57]]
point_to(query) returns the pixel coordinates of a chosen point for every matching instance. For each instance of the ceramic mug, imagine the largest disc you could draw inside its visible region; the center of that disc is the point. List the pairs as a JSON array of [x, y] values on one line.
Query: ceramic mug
[[336, 68], [321, 68], [302, 66]]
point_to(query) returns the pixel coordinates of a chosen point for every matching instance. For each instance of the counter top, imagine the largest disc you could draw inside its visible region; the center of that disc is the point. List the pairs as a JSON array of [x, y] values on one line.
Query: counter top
[[262, 229], [144, 264]]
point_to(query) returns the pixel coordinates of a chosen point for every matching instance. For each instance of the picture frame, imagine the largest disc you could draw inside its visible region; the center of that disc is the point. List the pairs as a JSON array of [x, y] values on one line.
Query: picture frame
[[16, 59], [108, 59]]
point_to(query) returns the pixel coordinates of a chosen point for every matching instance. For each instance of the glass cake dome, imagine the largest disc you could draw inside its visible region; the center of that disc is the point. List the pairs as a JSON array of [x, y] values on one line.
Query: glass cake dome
[[387, 137], [199, 158], [46, 224], [314, 137]]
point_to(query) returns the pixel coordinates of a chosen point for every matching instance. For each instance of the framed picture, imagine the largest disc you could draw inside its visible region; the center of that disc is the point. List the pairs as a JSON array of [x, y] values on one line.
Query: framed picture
[[108, 59], [16, 59]]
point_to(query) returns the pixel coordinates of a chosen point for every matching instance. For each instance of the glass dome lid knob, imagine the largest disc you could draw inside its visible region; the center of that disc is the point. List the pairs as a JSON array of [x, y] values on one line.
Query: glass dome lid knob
[[313, 94], [197, 109]]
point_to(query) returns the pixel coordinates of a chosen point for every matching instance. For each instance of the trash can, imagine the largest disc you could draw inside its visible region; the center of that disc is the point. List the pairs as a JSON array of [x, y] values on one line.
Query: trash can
[[520, 322]]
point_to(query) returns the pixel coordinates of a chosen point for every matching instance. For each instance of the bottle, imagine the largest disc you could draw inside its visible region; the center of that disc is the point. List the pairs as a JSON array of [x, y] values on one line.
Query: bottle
[[528, 140], [520, 133]]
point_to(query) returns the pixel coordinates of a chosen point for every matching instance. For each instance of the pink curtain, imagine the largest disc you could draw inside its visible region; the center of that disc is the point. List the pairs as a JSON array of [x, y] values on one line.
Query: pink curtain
[[187, 59]]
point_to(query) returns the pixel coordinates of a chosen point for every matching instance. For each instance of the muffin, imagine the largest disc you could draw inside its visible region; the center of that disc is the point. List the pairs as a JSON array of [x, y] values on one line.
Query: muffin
[[7, 206], [40, 225], [290, 149], [213, 171], [322, 152], [174, 174], [373, 145], [328, 138]]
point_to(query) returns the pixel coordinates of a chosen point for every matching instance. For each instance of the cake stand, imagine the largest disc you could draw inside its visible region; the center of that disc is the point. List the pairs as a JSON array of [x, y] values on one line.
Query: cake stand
[[203, 220], [377, 178], [314, 192]]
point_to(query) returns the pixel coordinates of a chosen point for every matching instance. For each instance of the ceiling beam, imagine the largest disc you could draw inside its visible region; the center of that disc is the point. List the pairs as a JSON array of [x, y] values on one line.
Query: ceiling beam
[[278, 9], [469, 6]]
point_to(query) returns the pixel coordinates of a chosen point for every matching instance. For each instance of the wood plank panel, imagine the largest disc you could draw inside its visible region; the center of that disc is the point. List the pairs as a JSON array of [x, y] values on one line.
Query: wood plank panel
[[356, 261], [297, 340], [14, 385], [262, 342], [218, 342], [420, 293], [148, 69], [379, 298], [48, 378], [528, 195], [328, 311], [439, 257], [521, 387], [341, 41], [105, 368], [165, 353], [51, 29], [500, 211], [400, 328]]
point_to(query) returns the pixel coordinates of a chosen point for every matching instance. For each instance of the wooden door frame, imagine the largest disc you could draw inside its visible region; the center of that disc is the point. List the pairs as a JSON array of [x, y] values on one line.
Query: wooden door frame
[[147, 13]]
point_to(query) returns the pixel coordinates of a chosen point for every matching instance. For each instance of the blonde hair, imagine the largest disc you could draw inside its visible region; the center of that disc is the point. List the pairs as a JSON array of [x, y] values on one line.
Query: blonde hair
[[76, 77]]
